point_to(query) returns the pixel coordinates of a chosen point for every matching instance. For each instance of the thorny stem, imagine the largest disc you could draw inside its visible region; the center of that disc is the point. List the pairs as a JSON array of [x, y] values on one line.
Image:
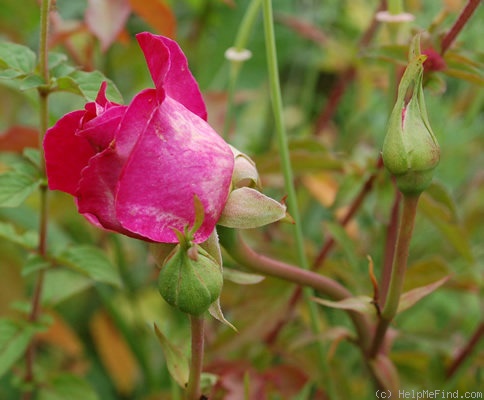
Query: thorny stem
[[196, 361], [399, 268], [42, 245], [464, 16]]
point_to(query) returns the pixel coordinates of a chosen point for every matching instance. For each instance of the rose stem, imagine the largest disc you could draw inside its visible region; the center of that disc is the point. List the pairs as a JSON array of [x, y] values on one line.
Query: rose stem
[[464, 16], [390, 244], [240, 43], [41, 247], [399, 267], [275, 91], [196, 361]]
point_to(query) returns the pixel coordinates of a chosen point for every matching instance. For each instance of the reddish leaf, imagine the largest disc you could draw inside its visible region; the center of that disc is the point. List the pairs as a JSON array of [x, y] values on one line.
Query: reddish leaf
[[361, 304], [18, 137], [156, 13], [411, 297], [106, 19]]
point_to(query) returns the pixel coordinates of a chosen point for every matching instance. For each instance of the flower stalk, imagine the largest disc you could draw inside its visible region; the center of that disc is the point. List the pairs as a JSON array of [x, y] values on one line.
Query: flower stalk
[[399, 268], [196, 362]]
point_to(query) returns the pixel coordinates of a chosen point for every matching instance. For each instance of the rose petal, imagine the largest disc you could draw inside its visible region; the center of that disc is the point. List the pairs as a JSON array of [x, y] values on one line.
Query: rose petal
[[177, 156], [97, 187], [65, 153], [96, 194], [169, 69]]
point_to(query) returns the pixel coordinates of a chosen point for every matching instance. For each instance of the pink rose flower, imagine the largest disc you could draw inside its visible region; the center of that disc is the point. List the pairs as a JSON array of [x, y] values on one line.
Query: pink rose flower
[[135, 169]]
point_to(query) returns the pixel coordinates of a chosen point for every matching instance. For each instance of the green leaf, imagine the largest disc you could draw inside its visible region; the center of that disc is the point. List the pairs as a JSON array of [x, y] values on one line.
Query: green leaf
[[411, 297], [35, 263], [61, 284], [19, 182], [361, 304], [18, 60], [14, 339], [27, 239], [87, 84], [91, 262], [176, 361], [67, 386], [58, 65], [15, 187]]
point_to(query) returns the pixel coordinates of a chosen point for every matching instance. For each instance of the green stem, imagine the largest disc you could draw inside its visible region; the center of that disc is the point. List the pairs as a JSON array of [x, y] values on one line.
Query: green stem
[[240, 43], [196, 361], [281, 135], [399, 268], [395, 6], [42, 245]]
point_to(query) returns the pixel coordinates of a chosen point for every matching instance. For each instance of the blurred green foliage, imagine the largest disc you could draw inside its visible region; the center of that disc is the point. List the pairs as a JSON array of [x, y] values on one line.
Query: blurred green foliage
[[317, 42]]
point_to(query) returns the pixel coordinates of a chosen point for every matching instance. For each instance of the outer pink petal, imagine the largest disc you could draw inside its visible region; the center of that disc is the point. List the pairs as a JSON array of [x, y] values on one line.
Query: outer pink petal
[[177, 157], [169, 69], [65, 153], [95, 198], [97, 188]]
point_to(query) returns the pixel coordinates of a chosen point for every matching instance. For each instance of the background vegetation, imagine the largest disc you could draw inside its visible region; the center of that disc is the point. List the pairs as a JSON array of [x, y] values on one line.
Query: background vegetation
[[95, 337]]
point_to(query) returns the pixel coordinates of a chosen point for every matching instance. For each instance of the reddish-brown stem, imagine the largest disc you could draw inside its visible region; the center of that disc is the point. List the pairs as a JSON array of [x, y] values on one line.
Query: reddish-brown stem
[[391, 235], [461, 21], [334, 99], [346, 77], [465, 351]]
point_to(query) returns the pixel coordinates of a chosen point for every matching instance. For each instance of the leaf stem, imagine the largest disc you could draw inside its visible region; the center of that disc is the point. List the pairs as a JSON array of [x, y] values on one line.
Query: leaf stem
[[399, 268], [196, 361]]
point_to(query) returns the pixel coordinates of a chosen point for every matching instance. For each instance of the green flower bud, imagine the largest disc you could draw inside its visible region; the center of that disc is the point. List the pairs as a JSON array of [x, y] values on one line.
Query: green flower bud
[[190, 279], [410, 150]]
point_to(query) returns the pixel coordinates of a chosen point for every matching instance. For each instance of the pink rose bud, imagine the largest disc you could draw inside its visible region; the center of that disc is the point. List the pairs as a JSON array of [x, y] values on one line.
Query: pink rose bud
[[135, 169]]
